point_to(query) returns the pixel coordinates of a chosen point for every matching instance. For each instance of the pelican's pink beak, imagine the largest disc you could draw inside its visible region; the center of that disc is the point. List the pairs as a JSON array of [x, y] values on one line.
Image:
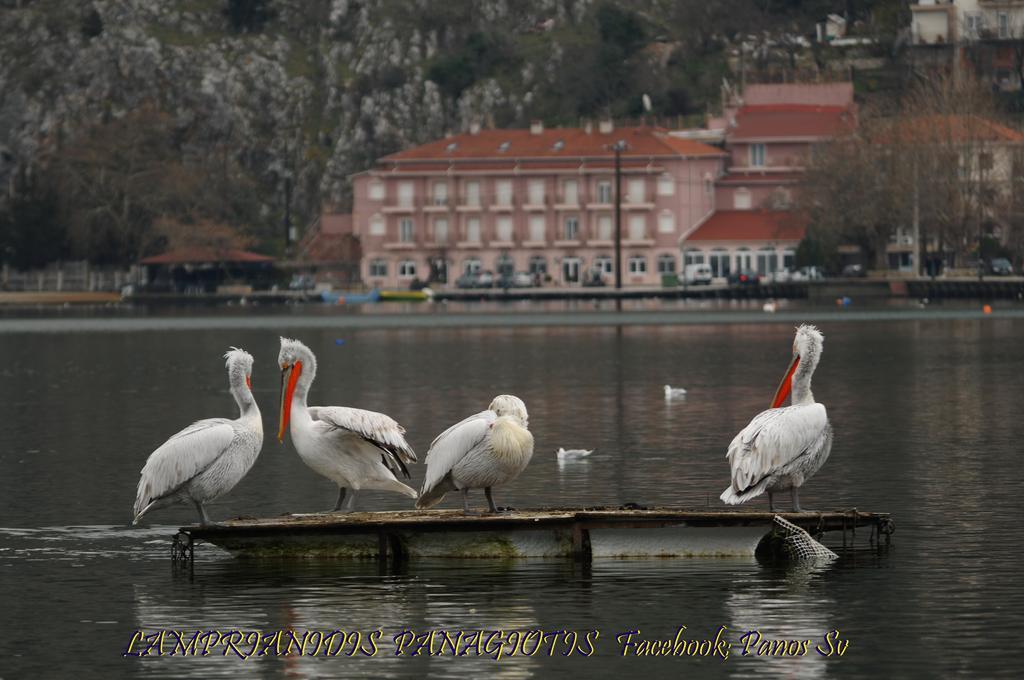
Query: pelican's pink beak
[[786, 386], [289, 378]]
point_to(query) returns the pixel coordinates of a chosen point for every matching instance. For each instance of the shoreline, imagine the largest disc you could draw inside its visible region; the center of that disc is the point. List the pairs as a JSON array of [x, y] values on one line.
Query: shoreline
[[444, 320]]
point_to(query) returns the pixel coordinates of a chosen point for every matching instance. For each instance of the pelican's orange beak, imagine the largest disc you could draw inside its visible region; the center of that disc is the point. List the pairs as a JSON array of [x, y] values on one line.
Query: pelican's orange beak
[[786, 386], [289, 378], [248, 382]]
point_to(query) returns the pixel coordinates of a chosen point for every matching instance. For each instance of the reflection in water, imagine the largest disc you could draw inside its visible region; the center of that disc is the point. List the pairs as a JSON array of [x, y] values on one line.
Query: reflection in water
[[927, 426], [780, 604]]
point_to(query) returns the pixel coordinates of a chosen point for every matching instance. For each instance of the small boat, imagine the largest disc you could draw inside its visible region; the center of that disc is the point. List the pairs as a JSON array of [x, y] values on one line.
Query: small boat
[[406, 295], [340, 297]]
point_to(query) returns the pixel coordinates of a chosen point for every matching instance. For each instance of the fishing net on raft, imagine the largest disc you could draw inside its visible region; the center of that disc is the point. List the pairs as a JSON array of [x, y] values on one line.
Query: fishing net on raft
[[797, 545]]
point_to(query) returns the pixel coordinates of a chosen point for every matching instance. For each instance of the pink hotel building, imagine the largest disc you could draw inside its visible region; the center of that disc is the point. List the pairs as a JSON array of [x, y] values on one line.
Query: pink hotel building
[[542, 201], [537, 200]]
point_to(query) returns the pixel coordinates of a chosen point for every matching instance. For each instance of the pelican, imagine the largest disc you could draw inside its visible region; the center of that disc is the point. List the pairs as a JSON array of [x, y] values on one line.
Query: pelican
[[355, 449], [484, 450], [206, 459], [782, 448], [572, 454]]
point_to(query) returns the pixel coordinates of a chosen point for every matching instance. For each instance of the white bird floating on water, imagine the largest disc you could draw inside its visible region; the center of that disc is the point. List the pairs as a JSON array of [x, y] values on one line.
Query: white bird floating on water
[[483, 451], [674, 392], [209, 457], [782, 448], [355, 449], [572, 454]]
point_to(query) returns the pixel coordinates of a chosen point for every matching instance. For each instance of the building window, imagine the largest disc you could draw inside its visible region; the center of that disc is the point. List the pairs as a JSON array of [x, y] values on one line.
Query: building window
[[473, 194], [406, 269], [378, 267], [537, 228], [635, 192], [377, 191], [406, 191], [666, 222], [604, 264], [1004, 25], [666, 185], [604, 192], [744, 260], [504, 228], [572, 228], [767, 261], [604, 227], [637, 227], [693, 256], [709, 185], [505, 265], [473, 229], [571, 269], [538, 265], [789, 259], [441, 193], [405, 234], [666, 264], [757, 155], [471, 266], [741, 199], [570, 192], [637, 265], [718, 260], [441, 230], [377, 226], [503, 192], [536, 191]]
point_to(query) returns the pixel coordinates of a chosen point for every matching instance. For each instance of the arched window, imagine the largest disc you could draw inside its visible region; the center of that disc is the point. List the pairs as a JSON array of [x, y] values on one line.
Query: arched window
[[666, 264], [505, 265], [637, 265], [376, 190], [538, 265], [693, 256], [603, 264], [378, 267], [471, 265], [406, 269]]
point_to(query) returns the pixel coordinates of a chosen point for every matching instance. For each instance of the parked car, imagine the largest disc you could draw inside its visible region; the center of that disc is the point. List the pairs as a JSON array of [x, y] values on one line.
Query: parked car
[[1000, 266], [854, 270], [523, 280], [806, 274], [485, 279], [744, 278], [697, 274], [467, 280], [302, 282]]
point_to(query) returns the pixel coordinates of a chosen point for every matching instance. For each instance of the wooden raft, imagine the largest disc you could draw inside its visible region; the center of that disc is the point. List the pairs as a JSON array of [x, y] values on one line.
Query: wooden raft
[[581, 534]]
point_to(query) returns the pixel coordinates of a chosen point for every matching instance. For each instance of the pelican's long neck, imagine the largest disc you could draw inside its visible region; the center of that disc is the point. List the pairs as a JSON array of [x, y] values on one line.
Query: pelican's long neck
[[243, 395], [305, 381], [802, 377]]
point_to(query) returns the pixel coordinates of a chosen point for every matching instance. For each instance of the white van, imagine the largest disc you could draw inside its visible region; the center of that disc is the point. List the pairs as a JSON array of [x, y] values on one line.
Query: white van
[[697, 274]]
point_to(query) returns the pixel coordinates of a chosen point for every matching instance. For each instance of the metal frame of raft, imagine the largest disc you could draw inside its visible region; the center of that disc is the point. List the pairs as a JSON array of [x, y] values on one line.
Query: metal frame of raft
[[580, 534]]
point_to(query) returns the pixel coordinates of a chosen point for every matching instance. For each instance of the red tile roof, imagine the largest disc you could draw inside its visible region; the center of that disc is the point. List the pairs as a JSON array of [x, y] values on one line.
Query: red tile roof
[[791, 120], [750, 225], [575, 143], [204, 255]]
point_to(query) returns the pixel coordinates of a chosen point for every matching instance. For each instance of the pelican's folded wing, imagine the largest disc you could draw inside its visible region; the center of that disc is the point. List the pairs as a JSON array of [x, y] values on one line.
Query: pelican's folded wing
[[773, 439], [182, 457], [380, 430], [454, 444]]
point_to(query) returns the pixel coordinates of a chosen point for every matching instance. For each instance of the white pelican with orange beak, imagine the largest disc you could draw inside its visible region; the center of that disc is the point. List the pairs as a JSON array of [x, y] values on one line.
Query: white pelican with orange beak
[[782, 448], [355, 449], [206, 459]]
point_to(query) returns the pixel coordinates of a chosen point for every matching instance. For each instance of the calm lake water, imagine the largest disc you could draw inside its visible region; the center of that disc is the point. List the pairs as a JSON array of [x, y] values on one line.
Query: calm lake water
[[927, 416]]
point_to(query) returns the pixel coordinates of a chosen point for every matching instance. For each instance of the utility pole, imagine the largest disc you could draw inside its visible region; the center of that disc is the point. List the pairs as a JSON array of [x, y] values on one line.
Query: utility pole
[[618, 147]]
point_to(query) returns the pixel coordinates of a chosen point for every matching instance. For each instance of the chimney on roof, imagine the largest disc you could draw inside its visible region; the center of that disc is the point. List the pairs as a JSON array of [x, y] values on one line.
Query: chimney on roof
[[536, 127], [474, 127], [606, 126]]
